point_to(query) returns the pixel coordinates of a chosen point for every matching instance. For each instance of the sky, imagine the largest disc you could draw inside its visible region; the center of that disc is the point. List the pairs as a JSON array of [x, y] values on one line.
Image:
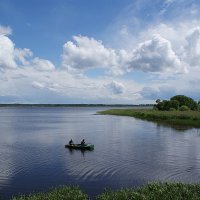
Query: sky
[[99, 51]]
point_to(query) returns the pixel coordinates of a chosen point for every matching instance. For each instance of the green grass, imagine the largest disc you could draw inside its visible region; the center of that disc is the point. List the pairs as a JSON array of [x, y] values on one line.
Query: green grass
[[156, 191], [185, 118], [60, 193], [152, 191]]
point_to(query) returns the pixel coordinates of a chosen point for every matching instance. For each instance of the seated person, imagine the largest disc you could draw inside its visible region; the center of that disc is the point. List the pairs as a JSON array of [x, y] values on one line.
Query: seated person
[[83, 142], [71, 142]]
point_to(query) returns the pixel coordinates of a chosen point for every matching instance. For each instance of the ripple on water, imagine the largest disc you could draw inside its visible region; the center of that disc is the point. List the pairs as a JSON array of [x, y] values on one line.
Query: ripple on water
[[126, 149]]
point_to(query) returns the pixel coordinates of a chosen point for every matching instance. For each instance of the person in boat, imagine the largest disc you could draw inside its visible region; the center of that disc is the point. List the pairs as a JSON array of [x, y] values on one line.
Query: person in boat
[[83, 142], [71, 142]]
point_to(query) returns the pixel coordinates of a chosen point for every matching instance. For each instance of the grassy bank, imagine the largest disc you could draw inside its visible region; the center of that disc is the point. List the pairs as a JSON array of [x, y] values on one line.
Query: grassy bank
[[156, 191], [153, 191], [60, 193], [186, 118]]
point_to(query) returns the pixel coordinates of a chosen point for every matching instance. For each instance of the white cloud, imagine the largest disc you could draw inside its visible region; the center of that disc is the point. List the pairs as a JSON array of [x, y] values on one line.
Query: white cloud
[[192, 48], [115, 87], [155, 55], [21, 55], [159, 56], [11, 57], [39, 85], [87, 53], [162, 92], [7, 59], [42, 64], [5, 30]]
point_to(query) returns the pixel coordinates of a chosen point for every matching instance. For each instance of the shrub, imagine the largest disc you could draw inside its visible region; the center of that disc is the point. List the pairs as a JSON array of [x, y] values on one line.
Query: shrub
[[176, 102], [184, 108], [187, 101], [172, 109]]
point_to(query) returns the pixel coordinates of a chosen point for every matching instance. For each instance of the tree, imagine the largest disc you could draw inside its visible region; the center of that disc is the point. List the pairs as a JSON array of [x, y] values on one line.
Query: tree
[[174, 104], [160, 106], [177, 102], [187, 101], [184, 108], [167, 105], [158, 101]]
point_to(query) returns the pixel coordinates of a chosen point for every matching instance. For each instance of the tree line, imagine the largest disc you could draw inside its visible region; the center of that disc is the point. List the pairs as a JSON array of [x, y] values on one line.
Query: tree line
[[178, 102]]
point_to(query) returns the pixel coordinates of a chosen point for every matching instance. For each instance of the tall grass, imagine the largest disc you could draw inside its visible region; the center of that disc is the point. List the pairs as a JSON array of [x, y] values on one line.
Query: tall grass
[[60, 193], [156, 191], [152, 191], [187, 118]]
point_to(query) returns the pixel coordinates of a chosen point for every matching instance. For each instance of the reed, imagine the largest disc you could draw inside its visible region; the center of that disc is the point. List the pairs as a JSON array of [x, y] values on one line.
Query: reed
[[155, 191], [185, 118], [152, 191], [60, 193]]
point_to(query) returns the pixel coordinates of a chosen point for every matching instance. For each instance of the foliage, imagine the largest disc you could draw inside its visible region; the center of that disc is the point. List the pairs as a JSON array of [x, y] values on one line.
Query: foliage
[[177, 102], [152, 191], [156, 191], [186, 118], [184, 108], [60, 193], [187, 101], [158, 100]]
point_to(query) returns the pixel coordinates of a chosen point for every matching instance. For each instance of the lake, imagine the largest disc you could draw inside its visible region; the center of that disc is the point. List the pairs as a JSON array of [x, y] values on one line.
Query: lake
[[128, 152]]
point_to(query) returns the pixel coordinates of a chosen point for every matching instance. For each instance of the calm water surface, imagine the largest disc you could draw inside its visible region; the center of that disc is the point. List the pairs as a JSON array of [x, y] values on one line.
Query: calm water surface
[[128, 152]]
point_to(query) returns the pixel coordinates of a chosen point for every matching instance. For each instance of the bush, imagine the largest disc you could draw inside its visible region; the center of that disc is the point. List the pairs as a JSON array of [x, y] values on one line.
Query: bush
[[62, 192], [184, 108], [176, 102], [172, 109], [187, 101], [155, 191], [155, 107]]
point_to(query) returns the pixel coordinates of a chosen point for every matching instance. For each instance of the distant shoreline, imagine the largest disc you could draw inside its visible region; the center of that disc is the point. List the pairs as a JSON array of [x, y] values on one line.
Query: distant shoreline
[[75, 105]]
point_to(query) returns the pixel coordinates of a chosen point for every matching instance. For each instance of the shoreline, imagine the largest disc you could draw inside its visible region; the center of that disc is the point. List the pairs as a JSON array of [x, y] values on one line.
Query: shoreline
[[183, 118]]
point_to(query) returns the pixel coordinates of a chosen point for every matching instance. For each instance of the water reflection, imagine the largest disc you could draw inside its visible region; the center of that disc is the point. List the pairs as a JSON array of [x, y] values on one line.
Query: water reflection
[[82, 151], [176, 127], [128, 152]]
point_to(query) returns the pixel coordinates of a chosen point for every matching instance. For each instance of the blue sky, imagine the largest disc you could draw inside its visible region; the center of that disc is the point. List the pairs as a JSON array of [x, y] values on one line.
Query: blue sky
[[108, 51], [52, 23]]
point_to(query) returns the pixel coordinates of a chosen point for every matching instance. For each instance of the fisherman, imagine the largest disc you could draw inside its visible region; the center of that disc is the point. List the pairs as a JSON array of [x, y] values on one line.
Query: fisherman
[[83, 142], [71, 142]]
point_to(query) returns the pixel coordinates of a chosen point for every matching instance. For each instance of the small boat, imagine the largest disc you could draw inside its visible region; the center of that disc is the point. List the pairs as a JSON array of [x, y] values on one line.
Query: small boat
[[80, 146]]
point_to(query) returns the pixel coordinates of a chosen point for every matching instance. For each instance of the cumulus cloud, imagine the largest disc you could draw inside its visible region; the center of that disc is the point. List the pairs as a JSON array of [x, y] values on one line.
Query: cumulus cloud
[[7, 58], [87, 53], [42, 64], [153, 93], [115, 87], [192, 48], [155, 55], [5, 30], [160, 54], [11, 57], [21, 55]]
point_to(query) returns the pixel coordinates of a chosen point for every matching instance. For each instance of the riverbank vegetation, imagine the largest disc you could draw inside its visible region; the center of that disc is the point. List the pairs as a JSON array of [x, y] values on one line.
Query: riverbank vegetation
[[154, 191], [178, 102], [184, 118], [179, 110], [60, 193]]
